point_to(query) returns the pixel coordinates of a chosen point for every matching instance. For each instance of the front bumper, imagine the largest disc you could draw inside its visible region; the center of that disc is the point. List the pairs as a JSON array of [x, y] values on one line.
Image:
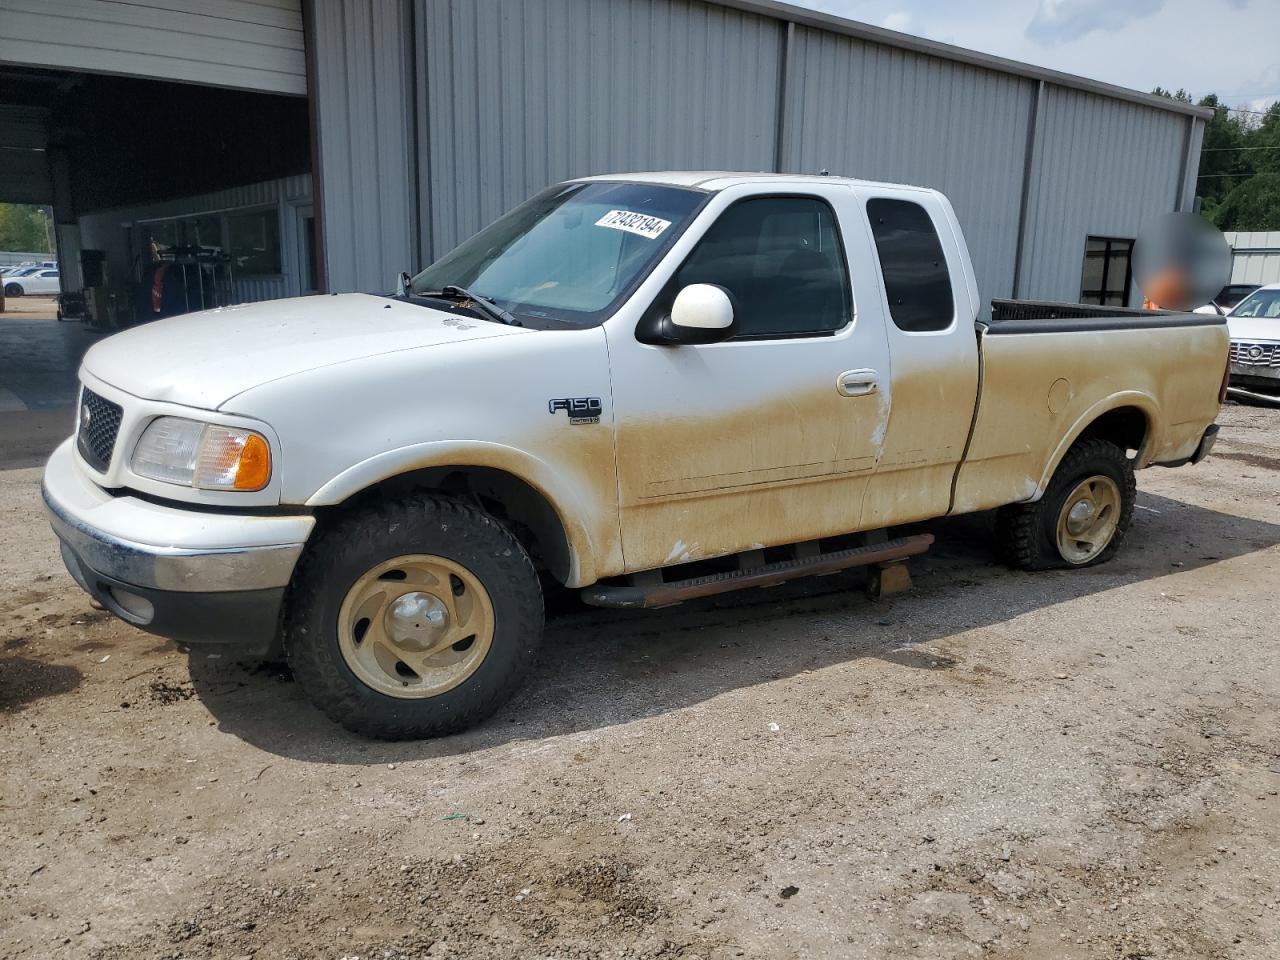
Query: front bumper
[[1254, 382], [196, 576]]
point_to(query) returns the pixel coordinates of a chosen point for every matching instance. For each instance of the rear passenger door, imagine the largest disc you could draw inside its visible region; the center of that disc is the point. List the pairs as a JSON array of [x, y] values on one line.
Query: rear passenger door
[[769, 437], [930, 299]]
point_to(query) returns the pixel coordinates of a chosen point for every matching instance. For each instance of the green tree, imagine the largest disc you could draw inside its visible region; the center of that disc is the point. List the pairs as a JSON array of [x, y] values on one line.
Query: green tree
[[24, 227], [1253, 205], [1223, 164]]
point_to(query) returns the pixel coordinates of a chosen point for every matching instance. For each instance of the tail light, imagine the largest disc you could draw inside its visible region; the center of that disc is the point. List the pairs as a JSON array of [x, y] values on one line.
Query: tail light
[[1226, 379]]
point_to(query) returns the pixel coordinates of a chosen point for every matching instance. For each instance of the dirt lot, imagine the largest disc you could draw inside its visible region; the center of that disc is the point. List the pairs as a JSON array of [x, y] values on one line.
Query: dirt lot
[[1067, 765]]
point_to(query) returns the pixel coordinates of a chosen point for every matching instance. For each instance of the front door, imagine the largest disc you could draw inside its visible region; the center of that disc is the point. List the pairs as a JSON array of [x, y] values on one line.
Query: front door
[[769, 437]]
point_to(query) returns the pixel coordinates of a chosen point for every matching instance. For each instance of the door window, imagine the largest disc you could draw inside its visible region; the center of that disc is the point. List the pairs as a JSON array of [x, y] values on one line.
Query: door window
[[781, 261], [916, 280], [1108, 271]]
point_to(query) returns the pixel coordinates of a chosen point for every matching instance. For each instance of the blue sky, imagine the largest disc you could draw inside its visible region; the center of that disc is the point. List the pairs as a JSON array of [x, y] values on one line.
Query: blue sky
[[1231, 47]]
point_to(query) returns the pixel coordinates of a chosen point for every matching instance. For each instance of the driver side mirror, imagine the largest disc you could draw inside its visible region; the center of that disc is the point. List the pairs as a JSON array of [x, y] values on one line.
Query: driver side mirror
[[701, 313]]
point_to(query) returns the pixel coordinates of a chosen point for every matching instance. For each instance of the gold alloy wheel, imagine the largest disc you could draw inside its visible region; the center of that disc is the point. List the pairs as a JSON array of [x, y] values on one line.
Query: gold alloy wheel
[[415, 626], [1088, 519]]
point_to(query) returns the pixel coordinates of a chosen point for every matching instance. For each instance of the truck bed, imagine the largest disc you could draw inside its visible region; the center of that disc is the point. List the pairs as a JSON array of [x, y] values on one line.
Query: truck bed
[[1048, 371]]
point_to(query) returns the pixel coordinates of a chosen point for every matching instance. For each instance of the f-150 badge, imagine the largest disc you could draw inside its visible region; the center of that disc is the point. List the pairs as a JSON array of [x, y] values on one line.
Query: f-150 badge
[[579, 409]]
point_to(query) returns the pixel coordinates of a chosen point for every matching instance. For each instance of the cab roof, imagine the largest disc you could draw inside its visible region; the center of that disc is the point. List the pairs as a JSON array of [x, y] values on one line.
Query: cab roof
[[714, 180]]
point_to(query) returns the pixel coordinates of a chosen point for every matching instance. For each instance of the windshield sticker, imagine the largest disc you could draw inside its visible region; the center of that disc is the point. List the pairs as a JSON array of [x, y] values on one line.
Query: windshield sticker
[[638, 223]]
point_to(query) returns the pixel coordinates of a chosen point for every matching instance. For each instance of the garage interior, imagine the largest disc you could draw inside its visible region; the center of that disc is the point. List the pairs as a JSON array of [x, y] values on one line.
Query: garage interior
[[167, 197]]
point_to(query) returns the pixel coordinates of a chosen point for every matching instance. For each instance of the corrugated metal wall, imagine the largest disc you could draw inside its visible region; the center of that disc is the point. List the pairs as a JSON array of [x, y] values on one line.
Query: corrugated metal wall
[[367, 163], [1101, 168], [106, 231], [1255, 257], [495, 100], [252, 44], [523, 95], [878, 113]]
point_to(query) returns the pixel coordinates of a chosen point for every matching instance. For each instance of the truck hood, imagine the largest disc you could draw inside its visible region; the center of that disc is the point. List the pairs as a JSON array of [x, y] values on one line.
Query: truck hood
[[1254, 329], [204, 359]]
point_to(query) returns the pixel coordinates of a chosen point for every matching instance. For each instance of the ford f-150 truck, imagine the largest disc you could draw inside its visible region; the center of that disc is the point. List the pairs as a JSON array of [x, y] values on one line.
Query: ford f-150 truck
[[649, 387]]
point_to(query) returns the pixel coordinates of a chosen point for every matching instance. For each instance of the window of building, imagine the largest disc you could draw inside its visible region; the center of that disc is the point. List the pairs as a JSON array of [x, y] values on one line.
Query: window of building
[[916, 280], [253, 241], [1108, 271], [781, 261]]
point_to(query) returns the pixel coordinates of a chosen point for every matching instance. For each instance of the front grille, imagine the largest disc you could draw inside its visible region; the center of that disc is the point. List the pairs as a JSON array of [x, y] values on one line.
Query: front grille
[[99, 424], [1255, 354]]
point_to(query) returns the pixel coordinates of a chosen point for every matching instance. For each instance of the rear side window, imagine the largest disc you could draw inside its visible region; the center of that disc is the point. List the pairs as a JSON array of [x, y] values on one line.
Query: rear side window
[[916, 280], [781, 262]]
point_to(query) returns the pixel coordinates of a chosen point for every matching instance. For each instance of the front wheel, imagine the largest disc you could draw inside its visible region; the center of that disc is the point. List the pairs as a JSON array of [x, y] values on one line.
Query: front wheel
[[413, 618], [1083, 516], [12, 290]]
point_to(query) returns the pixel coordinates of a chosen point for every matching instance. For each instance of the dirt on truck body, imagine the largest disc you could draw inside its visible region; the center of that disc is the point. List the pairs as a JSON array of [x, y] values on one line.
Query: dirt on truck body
[[649, 388], [1060, 766]]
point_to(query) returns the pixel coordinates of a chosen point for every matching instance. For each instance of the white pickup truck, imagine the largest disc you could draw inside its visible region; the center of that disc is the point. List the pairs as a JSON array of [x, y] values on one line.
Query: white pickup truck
[[649, 387]]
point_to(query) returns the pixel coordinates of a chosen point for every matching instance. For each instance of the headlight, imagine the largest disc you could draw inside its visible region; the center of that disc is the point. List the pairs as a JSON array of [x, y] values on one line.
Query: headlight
[[202, 455]]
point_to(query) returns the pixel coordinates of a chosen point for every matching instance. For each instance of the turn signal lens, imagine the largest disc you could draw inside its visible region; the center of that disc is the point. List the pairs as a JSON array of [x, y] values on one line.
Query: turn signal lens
[[204, 456], [232, 459]]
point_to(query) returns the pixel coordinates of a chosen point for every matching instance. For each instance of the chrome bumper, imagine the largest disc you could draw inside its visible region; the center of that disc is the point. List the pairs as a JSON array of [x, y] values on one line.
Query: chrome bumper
[[160, 547]]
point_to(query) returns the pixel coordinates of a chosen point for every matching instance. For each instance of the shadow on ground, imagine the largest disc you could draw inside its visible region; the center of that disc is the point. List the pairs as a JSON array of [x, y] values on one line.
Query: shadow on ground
[[601, 668]]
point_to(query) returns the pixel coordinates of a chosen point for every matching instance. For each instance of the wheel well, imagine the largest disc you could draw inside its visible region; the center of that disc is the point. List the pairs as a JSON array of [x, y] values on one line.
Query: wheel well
[[521, 508], [1126, 427]]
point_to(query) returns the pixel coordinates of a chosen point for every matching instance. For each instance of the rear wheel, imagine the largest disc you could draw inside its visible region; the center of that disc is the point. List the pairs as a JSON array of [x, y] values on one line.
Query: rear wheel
[[1083, 516], [413, 618]]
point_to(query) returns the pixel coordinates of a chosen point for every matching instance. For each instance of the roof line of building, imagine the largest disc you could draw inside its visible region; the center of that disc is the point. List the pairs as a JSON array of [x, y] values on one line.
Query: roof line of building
[[789, 12]]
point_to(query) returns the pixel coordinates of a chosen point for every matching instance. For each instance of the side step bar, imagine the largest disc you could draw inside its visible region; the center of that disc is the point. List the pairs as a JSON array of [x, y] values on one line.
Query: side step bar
[[767, 575]]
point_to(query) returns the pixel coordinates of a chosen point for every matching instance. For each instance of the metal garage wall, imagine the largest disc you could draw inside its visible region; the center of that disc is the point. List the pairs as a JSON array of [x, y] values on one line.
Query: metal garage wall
[[106, 231], [875, 112], [1102, 168], [1255, 257], [251, 44], [364, 117], [521, 95]]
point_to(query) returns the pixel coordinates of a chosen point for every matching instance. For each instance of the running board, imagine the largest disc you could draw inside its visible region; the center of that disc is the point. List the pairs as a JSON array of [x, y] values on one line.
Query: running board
[[767, 575]]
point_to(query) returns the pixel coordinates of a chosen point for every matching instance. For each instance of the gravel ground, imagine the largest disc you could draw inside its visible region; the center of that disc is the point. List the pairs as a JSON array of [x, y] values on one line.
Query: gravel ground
[[1064, 765]]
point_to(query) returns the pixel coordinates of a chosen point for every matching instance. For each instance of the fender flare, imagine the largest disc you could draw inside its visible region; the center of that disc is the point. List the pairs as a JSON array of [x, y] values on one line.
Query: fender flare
[[568, 505], [1143, 402]]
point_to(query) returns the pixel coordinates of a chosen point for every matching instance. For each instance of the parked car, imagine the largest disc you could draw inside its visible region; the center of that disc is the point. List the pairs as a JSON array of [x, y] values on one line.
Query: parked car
[[1255, 346], [38, 282], [649, 388], [1227, 298]]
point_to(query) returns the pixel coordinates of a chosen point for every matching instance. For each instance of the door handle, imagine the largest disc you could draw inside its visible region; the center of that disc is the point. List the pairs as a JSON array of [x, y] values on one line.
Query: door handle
[[857, 383]]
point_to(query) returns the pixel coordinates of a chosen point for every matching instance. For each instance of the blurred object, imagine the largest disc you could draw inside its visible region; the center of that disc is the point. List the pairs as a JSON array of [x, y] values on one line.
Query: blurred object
[[91, 267], [71, 306], [1181, 261]]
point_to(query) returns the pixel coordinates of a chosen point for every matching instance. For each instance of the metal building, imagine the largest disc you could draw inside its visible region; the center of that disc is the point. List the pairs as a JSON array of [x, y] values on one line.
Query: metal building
[[435, 116], [1255, 257], [429, 118]]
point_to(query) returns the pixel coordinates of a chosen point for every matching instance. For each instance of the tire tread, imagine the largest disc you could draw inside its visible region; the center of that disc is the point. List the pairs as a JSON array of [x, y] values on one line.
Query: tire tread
[[321, 676], [1020, 526]]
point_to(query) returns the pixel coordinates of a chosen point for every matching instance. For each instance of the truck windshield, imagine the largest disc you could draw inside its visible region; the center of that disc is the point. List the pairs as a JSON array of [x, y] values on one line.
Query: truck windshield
[[570, 254]]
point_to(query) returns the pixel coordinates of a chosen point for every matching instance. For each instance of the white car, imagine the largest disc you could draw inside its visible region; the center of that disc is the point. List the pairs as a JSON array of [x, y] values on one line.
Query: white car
[[1254, 325], [41, 282]]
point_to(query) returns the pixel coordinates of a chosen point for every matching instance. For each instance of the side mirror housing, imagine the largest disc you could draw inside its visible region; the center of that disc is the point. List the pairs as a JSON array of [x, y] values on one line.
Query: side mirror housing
[[701, 313]]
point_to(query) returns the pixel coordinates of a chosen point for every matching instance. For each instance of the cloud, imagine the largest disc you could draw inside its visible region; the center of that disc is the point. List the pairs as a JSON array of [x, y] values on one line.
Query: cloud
[[1061, 21], [899, 20]]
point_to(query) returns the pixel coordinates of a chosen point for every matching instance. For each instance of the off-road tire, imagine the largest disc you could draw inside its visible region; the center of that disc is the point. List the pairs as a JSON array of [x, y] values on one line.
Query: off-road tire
[[353, 544], [1026, 533]]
